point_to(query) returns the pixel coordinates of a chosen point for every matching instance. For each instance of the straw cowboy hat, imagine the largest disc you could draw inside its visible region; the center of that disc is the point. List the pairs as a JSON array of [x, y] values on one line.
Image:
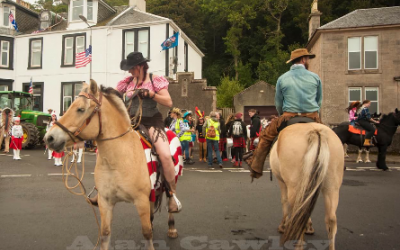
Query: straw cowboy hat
[[133, 59], [297, 53]]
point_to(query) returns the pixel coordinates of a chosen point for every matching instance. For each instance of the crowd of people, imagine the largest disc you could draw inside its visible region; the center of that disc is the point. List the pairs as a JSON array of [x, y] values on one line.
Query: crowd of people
[[212, 134]]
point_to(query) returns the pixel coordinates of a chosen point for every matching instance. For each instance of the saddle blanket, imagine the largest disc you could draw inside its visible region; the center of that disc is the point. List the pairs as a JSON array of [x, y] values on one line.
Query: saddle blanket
[[152, 161], [356, 130]]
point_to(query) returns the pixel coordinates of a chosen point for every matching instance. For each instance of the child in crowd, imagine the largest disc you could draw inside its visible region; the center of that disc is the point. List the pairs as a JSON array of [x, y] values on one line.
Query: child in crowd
[[57, 156], [17, 135]]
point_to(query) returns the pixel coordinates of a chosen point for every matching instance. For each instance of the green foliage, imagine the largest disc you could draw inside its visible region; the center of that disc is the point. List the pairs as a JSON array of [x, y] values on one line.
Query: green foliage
[[226, 91], [117, 2], [40, 5]]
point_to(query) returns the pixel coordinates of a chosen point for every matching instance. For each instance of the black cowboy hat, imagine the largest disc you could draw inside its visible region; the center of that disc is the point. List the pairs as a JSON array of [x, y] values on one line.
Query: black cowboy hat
[[133, 59]]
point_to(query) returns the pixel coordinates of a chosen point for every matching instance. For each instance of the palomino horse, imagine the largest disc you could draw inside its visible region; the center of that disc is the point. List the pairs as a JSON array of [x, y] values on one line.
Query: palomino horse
[[121, 172], [307, 159]]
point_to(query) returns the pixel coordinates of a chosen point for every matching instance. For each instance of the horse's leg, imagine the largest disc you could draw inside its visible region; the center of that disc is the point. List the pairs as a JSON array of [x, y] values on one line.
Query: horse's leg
[[285, 206], [359, 156], [381, 162], [172, 232], [345, 148], [310, 229], [331, 203], [143, 208], [106, 210], [151, 213], [367, 160]]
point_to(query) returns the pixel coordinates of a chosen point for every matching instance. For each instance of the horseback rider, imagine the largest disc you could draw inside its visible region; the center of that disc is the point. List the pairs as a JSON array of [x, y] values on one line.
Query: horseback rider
[[365, 119], [298, 93], [152, 90], [352, 110]]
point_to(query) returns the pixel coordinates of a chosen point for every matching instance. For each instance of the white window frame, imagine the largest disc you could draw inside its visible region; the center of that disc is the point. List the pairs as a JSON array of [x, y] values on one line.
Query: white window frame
[[36, 51], [377, 49], [8, 54], [6, 16], [348, 53], [68, 48], [89, 9], [377, 96], [79, 6], [144, 42], [131, 43]]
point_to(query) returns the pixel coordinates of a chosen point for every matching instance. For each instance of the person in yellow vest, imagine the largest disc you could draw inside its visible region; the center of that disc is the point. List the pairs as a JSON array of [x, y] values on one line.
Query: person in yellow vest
[[212, 130], [182, 131]]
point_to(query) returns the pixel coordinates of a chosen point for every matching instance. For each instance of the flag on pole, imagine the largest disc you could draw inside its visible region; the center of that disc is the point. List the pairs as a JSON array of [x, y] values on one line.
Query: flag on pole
[[84, 58], [31, 87], [171, 42], [12, 20]]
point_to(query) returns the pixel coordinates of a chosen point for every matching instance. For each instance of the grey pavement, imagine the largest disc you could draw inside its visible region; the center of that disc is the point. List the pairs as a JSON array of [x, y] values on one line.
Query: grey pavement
[[222, 210]]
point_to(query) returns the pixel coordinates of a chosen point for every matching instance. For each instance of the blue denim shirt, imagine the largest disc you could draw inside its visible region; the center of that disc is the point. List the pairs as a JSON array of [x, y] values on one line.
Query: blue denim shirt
[[298, 91]]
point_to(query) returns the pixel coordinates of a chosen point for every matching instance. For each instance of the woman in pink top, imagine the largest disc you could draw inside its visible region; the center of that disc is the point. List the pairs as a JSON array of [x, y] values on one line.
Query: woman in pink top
[[352, 110]]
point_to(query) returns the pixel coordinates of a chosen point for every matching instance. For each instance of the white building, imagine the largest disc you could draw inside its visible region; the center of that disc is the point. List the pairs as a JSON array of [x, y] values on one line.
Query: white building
[[49, 56]]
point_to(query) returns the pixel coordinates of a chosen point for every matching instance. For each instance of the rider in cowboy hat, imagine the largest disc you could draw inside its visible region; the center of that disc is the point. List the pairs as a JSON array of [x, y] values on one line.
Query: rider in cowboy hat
[[298, 93], [152, 90]]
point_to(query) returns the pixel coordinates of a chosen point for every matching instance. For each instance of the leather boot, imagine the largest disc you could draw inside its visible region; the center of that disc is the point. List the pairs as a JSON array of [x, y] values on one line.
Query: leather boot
[[80, 155], [257, 162], [174, 205], [367, 143], [75, 152]]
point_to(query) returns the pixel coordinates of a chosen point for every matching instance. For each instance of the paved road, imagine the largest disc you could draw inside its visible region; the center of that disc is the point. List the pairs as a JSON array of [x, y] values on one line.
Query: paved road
[[222, 210]]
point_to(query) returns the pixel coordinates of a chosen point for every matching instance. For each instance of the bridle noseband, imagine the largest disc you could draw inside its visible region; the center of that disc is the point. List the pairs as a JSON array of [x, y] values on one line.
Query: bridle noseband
[[96, 110]]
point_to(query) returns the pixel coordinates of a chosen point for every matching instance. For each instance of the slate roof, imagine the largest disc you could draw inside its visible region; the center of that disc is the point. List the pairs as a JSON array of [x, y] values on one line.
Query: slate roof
[[132, 16], [366, 18]]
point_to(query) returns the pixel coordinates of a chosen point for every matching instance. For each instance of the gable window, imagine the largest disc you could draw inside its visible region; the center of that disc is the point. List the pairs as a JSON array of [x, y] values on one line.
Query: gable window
[[35, 53], [136, 40], [72, 44], [5, 54], [354, 48], [371, 52], [77, 9], [90, 10], [186, 59], [371, 93], [69, 92], [6, 12]]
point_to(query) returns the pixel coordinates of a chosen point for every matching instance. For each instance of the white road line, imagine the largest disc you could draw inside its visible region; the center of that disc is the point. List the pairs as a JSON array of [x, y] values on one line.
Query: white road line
[[352, 169], [240, 171], [55, 174], [27, 155], [366, 167], [209, 171], [15, 175]]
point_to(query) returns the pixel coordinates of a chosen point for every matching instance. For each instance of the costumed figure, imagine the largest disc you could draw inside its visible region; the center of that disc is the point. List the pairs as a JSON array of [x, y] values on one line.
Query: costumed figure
[[6, 125], [16, 138], [78, 150], [57, 156]]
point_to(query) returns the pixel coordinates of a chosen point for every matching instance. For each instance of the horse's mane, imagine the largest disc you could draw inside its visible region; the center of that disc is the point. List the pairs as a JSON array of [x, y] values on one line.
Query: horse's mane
[[385, 117], [115, 97]]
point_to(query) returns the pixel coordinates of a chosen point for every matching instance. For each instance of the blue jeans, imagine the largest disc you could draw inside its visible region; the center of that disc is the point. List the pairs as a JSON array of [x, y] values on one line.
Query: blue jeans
[[210, 144], [185, 148]]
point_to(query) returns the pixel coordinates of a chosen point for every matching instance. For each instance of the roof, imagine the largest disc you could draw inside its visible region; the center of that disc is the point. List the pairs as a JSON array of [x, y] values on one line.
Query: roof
[[255, 85], [22, 8], [132, 16], [366, 18]]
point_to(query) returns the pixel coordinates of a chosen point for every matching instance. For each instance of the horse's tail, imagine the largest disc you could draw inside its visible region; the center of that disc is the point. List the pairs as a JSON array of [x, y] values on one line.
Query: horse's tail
[[314, 169]]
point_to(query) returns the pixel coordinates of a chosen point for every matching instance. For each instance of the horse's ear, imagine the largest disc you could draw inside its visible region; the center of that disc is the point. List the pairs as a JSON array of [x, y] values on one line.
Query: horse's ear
[[93, 87], [397, 111]]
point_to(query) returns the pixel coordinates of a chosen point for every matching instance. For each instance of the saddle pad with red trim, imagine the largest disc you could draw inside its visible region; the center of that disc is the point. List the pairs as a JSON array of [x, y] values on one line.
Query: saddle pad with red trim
[[357, 131], [152, 161]]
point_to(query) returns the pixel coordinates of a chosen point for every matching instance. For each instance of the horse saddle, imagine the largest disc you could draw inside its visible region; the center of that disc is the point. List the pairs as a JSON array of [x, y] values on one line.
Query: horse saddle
[[292, 121], [144, 135], [357, 129]]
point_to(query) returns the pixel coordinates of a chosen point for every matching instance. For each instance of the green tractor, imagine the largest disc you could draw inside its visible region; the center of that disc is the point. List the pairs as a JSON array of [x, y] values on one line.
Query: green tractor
[[34, 123]]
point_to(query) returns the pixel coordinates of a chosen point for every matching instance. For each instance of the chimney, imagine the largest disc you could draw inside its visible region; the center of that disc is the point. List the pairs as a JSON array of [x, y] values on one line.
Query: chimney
[[314, 20], [139, 4]]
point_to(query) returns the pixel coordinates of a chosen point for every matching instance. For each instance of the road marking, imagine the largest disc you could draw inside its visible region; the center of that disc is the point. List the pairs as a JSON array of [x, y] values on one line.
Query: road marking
[[55, 174], [15, 175], [239, 171], [352, 169], [366, 167], [209, 171]]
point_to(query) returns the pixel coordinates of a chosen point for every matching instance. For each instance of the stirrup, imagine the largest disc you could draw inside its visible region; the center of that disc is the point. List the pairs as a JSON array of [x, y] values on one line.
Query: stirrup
[[178, 203]]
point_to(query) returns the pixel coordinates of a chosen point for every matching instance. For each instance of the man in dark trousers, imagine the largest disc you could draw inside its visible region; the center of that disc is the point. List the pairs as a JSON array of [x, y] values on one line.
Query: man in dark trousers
[[255, 127]]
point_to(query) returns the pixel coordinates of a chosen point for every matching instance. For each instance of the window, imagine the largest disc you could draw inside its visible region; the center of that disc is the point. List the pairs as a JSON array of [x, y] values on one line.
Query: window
[[70, 91], [354, 48], [35, 54], [136, 40], [371, 52], [355, 94], [89, 10], [37, 94], [77, 9], [72, 44], [6, 20], [186, 55], [372, 94], [5, 54]]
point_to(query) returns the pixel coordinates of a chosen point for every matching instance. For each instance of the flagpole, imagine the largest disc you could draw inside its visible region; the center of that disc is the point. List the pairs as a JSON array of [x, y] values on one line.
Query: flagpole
[[90, 43]]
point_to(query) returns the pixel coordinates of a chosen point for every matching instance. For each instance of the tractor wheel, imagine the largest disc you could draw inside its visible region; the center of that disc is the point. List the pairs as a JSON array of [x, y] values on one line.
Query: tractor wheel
[[31, 135]]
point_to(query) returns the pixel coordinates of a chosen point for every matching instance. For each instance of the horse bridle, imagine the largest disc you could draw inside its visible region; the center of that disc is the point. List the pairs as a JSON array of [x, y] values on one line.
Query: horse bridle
[[96, 110]]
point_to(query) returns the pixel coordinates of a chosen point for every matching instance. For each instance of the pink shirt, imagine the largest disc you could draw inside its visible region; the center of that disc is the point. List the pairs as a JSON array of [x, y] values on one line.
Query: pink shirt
[[352, 113], [127, 84]]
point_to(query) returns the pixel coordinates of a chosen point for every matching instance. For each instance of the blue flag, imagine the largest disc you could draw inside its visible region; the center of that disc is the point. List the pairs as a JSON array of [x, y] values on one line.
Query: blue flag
[[12, 20], [171, 42]]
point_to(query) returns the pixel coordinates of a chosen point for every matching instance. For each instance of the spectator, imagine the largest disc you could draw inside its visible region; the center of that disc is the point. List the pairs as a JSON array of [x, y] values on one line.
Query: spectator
[[238, 132], [229, 121], [189, 119], [222, 138], [255, 127], [16, 139], [181, 129], [212, 130], [201, 140], [168, 120]]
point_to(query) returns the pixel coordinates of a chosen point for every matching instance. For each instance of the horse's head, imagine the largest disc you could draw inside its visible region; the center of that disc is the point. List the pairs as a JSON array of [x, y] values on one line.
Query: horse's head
[[396, 115], [75, 125]]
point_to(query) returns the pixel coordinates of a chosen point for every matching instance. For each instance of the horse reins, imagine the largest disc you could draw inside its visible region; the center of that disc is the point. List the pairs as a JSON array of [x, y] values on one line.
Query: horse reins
[[96, 110]]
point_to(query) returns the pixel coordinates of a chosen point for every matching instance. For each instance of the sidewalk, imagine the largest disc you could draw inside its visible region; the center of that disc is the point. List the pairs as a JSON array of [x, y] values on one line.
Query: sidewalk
[[390, 158]]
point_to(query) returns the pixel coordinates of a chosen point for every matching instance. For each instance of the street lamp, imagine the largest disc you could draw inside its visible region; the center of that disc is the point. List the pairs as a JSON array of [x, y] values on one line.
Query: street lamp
[[90, 44]]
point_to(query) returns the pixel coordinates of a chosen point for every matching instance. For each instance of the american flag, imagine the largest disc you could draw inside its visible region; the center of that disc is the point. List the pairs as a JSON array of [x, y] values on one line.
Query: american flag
[[12, 20], [83, 58], [31, 87]]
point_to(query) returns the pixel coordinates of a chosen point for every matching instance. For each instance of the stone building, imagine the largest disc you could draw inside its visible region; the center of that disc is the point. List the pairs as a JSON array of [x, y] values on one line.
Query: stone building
[[259, 96], [357, 58]]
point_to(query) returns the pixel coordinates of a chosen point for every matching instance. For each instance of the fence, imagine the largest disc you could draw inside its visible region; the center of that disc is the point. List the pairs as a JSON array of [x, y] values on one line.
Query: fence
[[226, 112]]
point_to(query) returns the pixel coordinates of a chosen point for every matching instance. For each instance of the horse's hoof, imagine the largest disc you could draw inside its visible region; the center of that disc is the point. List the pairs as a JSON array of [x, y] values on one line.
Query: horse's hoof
[[172, 234], [367, 161], [346, 156], [360, 161], [310, 231], [281, 230]]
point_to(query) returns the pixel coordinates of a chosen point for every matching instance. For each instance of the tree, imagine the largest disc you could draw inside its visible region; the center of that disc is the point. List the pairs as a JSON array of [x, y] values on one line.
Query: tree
[[226, 91]]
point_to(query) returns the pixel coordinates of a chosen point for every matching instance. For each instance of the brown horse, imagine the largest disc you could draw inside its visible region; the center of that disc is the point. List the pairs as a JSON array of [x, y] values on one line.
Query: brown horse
[[307, 159], [121, 172]]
